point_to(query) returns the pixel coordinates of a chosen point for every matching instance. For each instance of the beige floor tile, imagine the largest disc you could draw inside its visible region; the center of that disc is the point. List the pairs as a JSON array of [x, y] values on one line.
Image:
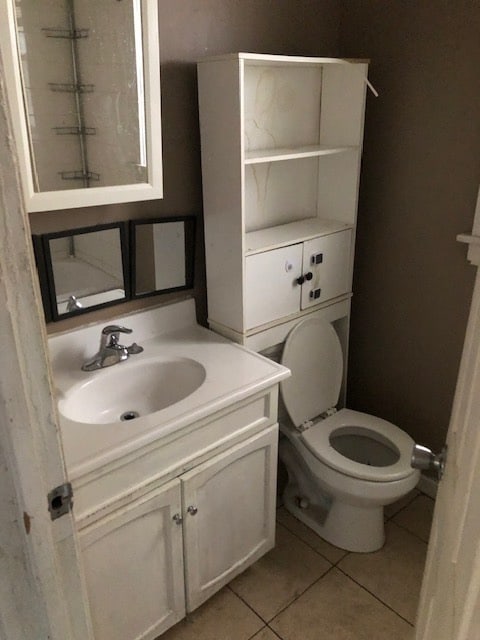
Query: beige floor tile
[[333, 554], [417, 516], [335, 608], [393, 574], [265, 634], [392, 509], [223, 617], [280, 576]]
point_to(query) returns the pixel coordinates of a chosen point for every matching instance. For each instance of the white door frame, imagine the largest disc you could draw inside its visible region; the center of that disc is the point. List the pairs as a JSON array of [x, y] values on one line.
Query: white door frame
[[41, 589]]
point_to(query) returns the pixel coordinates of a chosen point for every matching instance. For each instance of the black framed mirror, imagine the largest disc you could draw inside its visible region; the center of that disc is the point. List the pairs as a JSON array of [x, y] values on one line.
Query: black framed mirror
[[83, 269], [162, 255]]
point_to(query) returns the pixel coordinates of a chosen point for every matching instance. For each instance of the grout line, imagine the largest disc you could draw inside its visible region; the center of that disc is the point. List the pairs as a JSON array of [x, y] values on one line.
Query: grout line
[[250, 607], [267, 622], [387, 606], [403, 508], [258, 631], [415, 535], [274, 632], [334, 564], [301, 594]]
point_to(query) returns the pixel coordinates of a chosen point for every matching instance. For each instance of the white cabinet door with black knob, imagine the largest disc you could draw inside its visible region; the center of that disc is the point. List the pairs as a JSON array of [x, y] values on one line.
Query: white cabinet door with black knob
[[282, 282], [229, 514]]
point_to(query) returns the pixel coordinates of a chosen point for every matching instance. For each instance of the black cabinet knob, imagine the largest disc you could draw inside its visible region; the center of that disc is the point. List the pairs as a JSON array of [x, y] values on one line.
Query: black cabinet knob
[[304, 277]]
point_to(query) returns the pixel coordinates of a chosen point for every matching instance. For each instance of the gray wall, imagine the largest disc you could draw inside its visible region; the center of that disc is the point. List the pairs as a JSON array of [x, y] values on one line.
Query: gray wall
[[421, 171]]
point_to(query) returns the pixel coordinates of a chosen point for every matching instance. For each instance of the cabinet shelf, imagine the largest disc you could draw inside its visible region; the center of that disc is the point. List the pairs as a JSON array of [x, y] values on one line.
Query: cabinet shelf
[[286, 234], [275, 155]]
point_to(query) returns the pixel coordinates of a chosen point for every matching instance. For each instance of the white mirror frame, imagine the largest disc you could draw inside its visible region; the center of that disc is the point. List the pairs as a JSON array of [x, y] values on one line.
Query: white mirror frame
[[72, 198]]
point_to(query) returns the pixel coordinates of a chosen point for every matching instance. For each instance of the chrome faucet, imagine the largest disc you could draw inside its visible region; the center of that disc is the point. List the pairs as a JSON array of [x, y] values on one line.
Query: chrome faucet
[[73, 304], [110, 351]]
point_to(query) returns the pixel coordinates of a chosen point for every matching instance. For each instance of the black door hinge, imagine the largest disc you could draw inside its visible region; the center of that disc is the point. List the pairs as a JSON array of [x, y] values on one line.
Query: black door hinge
[[60, 500]]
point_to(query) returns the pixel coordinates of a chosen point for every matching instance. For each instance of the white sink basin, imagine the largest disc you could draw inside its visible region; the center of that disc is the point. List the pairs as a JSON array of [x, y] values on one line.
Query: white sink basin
[[123, 393], [185, 375]]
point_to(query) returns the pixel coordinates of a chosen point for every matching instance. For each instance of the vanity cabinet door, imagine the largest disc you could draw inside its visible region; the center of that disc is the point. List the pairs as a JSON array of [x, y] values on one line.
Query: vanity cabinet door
[[133, 567], [229, 514]]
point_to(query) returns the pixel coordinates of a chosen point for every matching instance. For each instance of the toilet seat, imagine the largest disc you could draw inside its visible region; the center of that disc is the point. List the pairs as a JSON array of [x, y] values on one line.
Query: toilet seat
[[317, 440], [314, 355]]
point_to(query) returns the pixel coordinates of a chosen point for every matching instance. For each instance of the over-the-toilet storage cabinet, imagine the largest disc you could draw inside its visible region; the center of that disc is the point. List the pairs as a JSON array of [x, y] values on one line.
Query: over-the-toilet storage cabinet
[[281, 140]]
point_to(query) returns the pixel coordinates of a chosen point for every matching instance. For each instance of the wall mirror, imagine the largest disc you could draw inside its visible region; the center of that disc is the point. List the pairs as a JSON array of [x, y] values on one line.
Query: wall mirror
[[162, 255], [84, 90], [82, 269]]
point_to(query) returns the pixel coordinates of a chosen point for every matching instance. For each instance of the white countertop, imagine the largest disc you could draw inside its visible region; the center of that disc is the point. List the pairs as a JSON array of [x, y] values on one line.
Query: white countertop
[[232, 374]]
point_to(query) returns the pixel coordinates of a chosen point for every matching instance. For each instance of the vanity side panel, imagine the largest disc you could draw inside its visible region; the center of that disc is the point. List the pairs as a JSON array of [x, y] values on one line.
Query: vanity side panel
[[220, 96]]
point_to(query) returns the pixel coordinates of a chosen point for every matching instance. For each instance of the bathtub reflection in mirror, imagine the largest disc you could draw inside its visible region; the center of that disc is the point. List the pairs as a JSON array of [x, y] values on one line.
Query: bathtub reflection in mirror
[[85, 269], [162, 252]]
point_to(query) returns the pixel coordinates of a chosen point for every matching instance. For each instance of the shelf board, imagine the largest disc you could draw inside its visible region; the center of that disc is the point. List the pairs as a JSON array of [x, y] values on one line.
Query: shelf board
[[265, 59], [290, 233], [275, 155]]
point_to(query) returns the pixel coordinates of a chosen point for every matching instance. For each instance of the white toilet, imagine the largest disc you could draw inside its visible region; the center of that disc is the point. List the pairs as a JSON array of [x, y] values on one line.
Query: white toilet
[[343, 466]]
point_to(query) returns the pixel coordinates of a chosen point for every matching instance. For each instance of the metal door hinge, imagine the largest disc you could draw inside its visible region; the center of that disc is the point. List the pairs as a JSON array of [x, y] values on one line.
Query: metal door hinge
[[60, 500]]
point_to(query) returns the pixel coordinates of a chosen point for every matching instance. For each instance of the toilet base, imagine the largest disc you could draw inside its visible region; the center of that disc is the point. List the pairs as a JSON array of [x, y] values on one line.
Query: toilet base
[[353, 528]]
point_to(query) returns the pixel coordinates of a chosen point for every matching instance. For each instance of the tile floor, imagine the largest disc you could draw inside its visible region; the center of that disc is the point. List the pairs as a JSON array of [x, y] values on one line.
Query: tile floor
[[306, 589]]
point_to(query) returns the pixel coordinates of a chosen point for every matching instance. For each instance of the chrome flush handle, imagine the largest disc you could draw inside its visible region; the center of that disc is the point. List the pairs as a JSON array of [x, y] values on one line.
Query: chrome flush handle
[[424, 459]]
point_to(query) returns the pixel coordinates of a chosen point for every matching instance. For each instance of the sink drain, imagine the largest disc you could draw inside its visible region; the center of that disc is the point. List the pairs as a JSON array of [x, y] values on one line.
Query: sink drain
[[129, 415]]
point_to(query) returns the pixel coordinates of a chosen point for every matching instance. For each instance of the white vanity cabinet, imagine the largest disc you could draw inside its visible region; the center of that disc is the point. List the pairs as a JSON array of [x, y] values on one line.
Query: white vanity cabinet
[[281, 140], [172, 505], [153, 559]]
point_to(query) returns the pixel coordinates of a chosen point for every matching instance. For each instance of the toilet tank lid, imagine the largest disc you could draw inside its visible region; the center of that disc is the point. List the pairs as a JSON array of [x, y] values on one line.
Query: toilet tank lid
[[314, 355]]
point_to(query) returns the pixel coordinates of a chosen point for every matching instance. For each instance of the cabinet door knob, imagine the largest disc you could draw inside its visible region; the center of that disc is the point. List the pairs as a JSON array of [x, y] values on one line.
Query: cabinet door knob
[[307, 276], [192, 510], [177, 518]]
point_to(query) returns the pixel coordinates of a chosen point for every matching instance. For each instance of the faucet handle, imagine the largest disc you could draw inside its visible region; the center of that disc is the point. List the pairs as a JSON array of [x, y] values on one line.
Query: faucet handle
[[114, 328], [110, 335]]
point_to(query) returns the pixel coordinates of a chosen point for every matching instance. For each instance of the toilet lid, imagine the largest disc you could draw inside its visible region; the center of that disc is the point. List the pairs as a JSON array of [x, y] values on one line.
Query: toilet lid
[[313, 354]]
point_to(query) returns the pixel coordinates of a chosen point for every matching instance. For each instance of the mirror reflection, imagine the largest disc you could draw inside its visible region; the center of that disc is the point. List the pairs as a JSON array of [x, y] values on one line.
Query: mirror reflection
[[85, 269], [82, 64], [162, 253]]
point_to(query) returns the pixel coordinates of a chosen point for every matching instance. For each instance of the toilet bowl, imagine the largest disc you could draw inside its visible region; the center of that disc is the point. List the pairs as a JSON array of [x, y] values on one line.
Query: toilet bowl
[[343, 466]]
